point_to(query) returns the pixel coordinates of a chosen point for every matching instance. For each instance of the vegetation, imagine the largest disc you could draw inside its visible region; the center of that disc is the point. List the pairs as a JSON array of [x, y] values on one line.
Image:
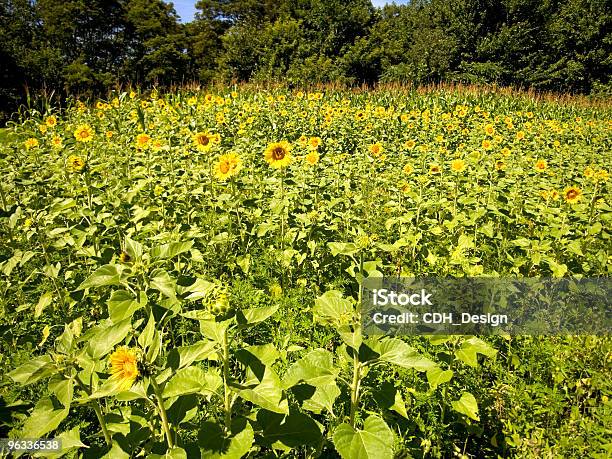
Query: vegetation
[[180, 273], [71, 46]]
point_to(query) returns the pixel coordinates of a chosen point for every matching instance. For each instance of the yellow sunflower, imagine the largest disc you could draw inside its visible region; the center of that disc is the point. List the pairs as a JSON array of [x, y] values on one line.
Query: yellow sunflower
[[312, 158], [435, 169], [142, 140], [278, 154], [203, 141], [75, 163], [83, 133], [572, 194], [56, 141], [314, 142], [376, 149], [51, 121], [123, 365], [541, 165], [31, 143], [487, 144], [409, 144], [458, 165], [408, 169], [227, 166]]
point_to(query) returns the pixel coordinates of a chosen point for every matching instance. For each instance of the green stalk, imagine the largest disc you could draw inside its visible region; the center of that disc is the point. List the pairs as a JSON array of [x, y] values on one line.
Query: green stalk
[[227, 403], [98, 409], [356, 383], [162, 413]]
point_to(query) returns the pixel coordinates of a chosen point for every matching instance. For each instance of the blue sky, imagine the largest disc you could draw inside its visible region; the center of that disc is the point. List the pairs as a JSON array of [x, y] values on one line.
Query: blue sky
[[186, 8]]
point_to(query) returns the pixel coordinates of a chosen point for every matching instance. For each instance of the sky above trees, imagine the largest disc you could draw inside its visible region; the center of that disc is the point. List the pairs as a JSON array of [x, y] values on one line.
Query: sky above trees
[[186, 8]]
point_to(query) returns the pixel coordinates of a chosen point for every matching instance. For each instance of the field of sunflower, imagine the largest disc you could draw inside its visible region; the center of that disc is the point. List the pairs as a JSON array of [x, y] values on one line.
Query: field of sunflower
[[180, 273]]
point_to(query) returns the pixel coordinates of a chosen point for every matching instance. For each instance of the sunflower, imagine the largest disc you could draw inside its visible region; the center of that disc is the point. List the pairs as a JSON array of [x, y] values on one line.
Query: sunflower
[[278, 154], [408, 169], [458, 165], [142, 140], [227, 166], [51, 121], [203, 141], [541, 165], [489, 129], [487, 144], [589, 172], [520, 135], [435, 169], [572, 194], [602, 175], [83, 133], [312, 158], [500, 165], [123, 365], [75, 163], [31, 143], [56, 141], [409, 144], [376, 149], [314, 142]]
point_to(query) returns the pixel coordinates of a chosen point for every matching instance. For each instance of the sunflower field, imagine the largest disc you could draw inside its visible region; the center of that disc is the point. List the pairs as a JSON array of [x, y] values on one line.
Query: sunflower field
[[180, 273]]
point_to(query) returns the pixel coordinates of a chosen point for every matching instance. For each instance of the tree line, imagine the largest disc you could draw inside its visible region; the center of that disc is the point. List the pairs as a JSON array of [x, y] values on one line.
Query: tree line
[[88, 46]]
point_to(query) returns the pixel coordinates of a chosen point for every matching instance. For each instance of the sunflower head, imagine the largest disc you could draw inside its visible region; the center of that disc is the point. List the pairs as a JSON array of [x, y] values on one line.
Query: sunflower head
[[408, 169], [75, 163], [124, 257], [435, 169], [572, 194], [142, 140], [83, 133], [314, 142], [31, 143], [227, 166], [541, 165], [51, 121], [458, 165], [312, 158], [203, 140], [376, 149], [123, 367], [278, 154]]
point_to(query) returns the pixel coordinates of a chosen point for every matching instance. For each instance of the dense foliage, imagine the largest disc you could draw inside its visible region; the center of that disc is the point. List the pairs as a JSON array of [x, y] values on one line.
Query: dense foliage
[[180, 274], [89, 46]]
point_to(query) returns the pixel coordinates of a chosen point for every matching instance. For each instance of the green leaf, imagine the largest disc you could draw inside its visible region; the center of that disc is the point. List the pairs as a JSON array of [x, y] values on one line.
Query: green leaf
[[33, 370], [436, 376], [333, 307], [191, 380], [373, 442], [396, 351], [342, 248], [162, 281], [46, 417], [170, 250], [70, 439], [174, 453], [63, 389], [469, 348], [267, 394], [322, 399], [467, 405], [388, 397], [316, 369], [134, 249], [148, 333], [44, 301], [106, 337], [296, 430], [254, 316], [105, 275], [122, 305], [185, 355], [214, 445]]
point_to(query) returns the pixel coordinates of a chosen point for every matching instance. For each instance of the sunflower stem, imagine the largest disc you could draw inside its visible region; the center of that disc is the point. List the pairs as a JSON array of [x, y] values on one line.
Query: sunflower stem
[[227, 402], [162, 413], [100, 416]]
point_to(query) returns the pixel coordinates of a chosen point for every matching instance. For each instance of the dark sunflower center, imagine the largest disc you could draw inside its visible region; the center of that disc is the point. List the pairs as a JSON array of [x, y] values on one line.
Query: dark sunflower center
[[203, 139], [224, 167], [571, 194], [278, 153]]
